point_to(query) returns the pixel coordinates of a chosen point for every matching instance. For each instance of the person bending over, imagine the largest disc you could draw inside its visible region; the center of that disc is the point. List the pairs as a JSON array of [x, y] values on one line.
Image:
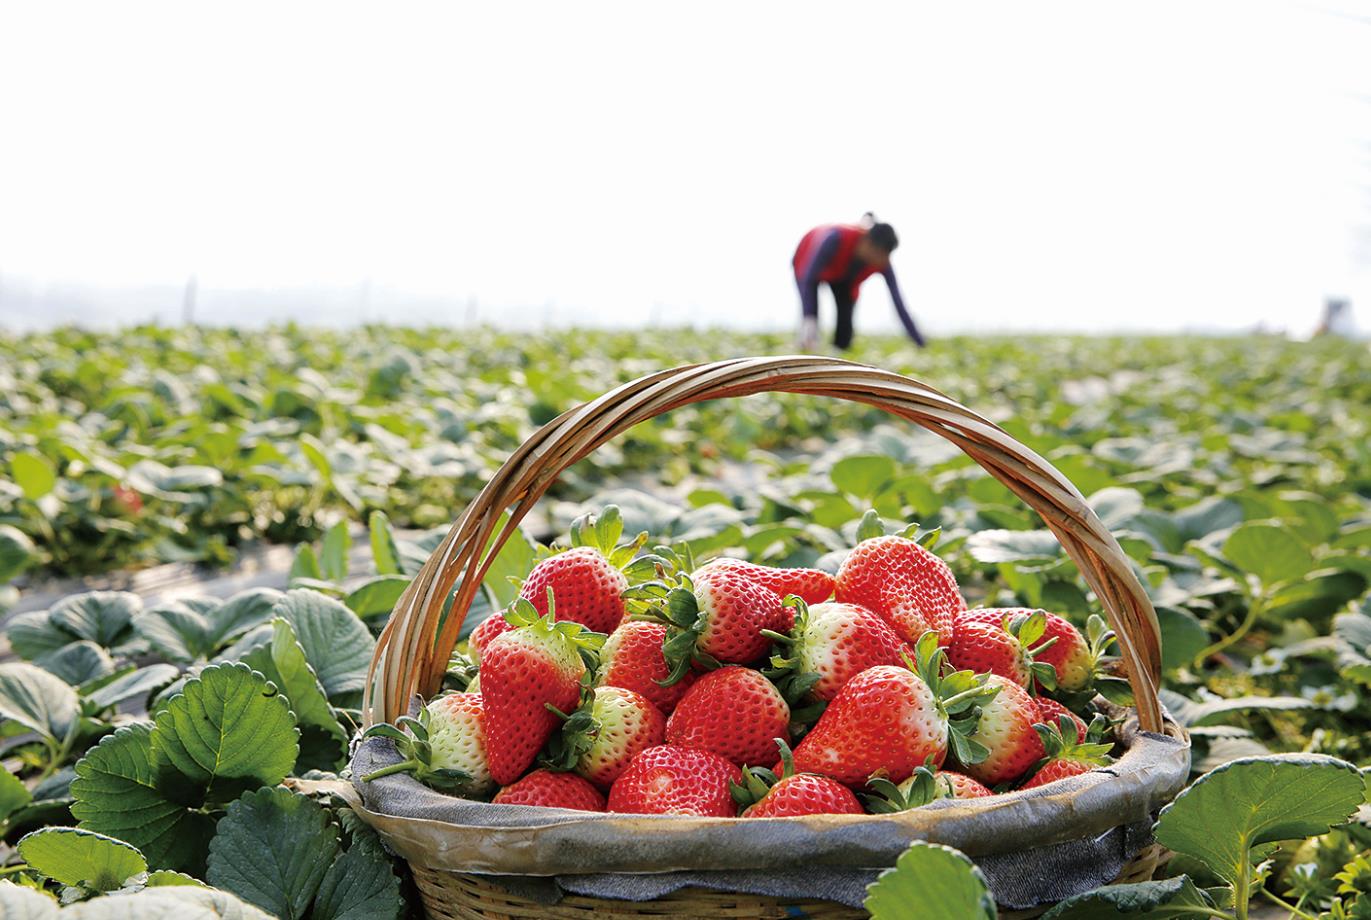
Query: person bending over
[[843, 256]]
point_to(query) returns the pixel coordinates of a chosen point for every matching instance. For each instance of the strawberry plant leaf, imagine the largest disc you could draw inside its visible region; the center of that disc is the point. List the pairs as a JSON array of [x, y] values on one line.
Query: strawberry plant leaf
[[130, 685], [103, 617], [333, 557], [322, 740], [13, 794], [384, 554], [240, 613], [1029, 546], [376, 596], [1252, 801], [306, 566], [229, 729], [116, 793], [359, 885], [863, 476], [336, 643], [34, 474], [16, 552], [512, 564], [39, 701], [78, 663], [930, 882], [272, 849], [17, 903], [1268, 551], [32, 635], [1161, 900], [82, 858]]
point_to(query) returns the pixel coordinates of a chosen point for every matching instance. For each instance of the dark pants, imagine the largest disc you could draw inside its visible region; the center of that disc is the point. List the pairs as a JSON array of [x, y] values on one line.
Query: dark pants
[[846, 304]]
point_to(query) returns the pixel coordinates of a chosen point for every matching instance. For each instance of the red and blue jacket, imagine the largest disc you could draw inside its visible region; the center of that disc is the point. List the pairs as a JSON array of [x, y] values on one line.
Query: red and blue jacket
[[827, 255]]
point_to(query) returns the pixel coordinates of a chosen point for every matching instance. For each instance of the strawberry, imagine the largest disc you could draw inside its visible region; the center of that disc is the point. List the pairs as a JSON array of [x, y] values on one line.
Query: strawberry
[[810, 585], [550, 789], [523, 673], [485, 633], [1069, 752], [1006, 732], [1049, 711], [611, 728], [925, 785], [587, 580], [444, 748], [1006, 646], [910, 587], [733, 712], [762, 794], [632, 658], [832, 643], [673, 780], [1074, 658], [889, 720], [715, 616]]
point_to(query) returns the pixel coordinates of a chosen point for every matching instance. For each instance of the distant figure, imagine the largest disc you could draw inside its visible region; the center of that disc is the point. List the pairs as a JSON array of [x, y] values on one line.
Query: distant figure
[[843, 256], [1337, 318]]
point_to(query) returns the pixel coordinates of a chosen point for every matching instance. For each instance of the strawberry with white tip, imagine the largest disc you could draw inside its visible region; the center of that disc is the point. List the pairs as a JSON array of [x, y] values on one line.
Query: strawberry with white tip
[[445, 747]]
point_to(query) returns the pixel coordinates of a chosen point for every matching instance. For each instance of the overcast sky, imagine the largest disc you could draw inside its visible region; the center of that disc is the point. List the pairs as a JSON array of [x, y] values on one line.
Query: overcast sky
[[1083, 165]]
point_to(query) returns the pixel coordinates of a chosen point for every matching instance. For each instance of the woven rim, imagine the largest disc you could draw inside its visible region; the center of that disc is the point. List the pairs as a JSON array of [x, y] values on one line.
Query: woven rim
[[412, 653]]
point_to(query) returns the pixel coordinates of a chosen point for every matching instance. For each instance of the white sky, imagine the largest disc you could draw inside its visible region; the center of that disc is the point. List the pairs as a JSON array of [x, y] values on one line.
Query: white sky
[[1085, 165]]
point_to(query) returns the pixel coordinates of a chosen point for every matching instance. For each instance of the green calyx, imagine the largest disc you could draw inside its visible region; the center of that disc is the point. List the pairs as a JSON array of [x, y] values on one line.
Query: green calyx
[[411, 738], [674, 604], [787, 671], [871, 526], [1028, 628], [959, 694], [461, 671], [545, 628], [577, 736], [1062, 741], [601, 531], [757, 781], [922, 787]]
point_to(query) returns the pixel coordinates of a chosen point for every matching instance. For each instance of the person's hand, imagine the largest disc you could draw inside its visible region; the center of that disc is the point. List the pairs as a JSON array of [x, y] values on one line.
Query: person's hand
[[809, 334]]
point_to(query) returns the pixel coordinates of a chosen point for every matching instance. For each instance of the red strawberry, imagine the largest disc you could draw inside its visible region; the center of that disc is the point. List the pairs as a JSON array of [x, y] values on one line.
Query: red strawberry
[[1049, 711], [735, 713], [900, 580], [550, 789], [1004, 642], [717, 616], [889, 720], [809, 585], [1069, 753], [485, 633], [762, 795], [1006, 731], [632, 658], [445, 747], [608, 731], [522, 673], [1073, 657], [672, 780], [924, 786], [588, 590], [835, 642]]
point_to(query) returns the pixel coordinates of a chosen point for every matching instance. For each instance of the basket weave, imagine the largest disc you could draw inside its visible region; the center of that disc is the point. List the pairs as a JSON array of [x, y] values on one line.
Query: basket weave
[[413, 650]]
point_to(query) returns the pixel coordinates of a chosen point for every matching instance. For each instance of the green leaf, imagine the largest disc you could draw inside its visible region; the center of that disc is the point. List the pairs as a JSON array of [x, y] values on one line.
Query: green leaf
[[1191, 713], [229, 729], [1207, 516], [930, 882], [164, 878], [82, 858], [177, 632], [1169, 898], [862, 476], [16, 552], [34, 474], [240, 613], [1183, 637], [336, 643], [32, 635], [103, 617], [359, 885], [181, 902], [133, 685], [1268, 551], [272, 849], [283, 662], [306, 565], [116, 793], [13, 794], [1252, 801], [38, 701], [78, 663], [376, 596], [994, 546], [514, 561], [18, 903], [384, 553], [333, 558]]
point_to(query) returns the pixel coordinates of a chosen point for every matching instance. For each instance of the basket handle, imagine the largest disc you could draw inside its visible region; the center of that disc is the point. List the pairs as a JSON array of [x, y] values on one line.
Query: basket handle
[[412, 653]]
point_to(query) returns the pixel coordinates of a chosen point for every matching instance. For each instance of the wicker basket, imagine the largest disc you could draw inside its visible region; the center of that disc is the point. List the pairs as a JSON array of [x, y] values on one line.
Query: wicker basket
[[414, 648]]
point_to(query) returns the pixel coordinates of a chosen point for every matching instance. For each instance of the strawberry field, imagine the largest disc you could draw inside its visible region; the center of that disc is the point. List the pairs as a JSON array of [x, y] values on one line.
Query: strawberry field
[[723, 576]]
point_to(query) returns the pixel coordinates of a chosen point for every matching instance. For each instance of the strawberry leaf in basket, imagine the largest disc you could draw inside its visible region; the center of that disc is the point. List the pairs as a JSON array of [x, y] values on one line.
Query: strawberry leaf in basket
[[84, 858], [1249, 802], [1168, 898], [930, 882], [229, 729], [272, 849]]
